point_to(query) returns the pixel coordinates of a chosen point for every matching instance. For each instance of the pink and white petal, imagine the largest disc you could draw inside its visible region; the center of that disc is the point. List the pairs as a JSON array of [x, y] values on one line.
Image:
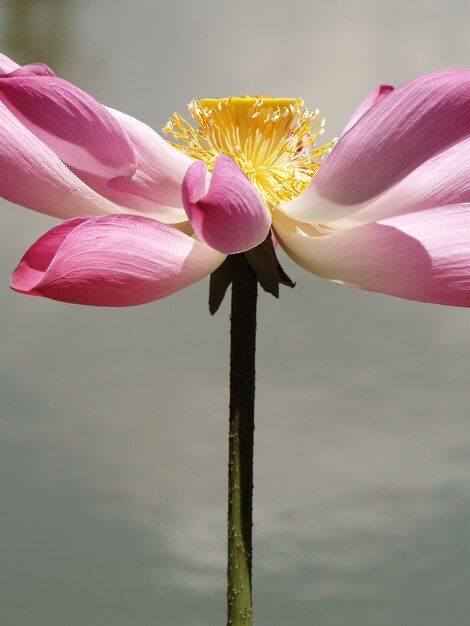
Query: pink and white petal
[[7, 65], [80, 130], [442, 180], [155, 187], [33, 175], [371, 100], [112, 260], [231, 216], [408, 127], [422, 256]]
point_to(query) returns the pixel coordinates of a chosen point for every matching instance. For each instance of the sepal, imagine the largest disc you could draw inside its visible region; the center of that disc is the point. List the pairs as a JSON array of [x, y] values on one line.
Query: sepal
[[264, 263]]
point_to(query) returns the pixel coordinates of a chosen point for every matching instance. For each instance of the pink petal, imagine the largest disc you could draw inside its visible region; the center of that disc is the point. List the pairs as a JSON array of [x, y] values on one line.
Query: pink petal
[[7, 65], [408, 127], [33, 176], [371, 100], [444, 179], [421, 256], [155, 187], [113, 260], [81, 131], [231, 216]]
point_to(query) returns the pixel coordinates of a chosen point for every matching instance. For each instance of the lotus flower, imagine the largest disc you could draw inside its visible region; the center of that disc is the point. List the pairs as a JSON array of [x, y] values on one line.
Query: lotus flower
[[388, 210]]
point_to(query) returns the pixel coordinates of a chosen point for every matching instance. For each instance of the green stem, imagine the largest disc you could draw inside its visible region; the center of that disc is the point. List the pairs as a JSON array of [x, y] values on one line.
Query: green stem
[[241, 431]]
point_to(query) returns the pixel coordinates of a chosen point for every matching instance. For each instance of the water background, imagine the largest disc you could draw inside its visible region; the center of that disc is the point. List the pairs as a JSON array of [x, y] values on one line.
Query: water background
[[113, 422]]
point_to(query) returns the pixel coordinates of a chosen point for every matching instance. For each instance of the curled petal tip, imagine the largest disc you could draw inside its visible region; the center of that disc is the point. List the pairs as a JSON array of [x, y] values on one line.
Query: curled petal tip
[[371, 100], [231, 216], [32, 69]]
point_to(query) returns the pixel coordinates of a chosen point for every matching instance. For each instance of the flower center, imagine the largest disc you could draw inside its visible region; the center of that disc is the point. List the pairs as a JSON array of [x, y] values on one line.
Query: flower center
[[271, 139]]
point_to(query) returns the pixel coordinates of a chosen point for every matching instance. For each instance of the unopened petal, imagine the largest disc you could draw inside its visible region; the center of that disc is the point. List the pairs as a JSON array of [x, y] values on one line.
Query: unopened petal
[[114, 260], [231, 216], [422, 256]]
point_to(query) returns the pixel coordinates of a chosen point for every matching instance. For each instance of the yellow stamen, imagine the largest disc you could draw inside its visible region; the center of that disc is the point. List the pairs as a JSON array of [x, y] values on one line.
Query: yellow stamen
[[271, 139]]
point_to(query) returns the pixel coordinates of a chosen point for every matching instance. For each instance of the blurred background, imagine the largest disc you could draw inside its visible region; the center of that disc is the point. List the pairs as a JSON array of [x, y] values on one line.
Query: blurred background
[[113, 423]]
